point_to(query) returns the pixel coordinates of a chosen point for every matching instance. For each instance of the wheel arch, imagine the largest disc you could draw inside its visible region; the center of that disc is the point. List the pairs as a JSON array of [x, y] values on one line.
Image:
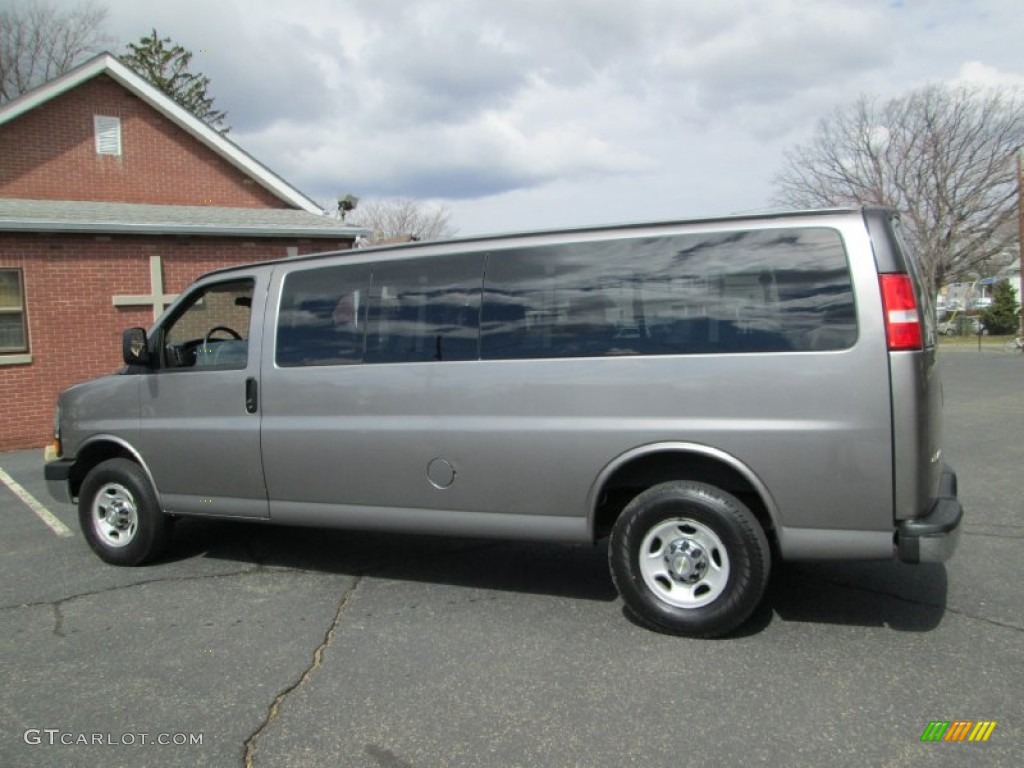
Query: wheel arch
[[98, 449], [643, 467]]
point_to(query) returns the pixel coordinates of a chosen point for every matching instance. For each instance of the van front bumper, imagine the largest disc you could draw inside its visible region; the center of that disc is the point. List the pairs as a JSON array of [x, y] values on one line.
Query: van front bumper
[[57, 474], [933, 538]]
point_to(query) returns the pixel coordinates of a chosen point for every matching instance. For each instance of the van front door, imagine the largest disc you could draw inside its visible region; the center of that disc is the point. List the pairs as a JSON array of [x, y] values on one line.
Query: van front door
[[200, 410]]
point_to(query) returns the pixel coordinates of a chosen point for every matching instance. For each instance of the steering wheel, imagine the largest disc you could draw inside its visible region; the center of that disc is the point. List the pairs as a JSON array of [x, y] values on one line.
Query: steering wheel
[[209, 333]]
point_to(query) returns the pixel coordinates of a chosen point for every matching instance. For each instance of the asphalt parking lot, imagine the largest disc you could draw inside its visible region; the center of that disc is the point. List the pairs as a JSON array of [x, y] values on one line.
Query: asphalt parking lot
[[290, 647]]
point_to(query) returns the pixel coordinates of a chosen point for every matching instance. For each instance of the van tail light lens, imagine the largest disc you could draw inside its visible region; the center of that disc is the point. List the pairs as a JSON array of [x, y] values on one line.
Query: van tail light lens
[[902, 319]]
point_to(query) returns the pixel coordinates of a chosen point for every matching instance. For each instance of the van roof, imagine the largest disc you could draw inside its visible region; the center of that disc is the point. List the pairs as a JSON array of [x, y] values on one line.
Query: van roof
[[410, 247]]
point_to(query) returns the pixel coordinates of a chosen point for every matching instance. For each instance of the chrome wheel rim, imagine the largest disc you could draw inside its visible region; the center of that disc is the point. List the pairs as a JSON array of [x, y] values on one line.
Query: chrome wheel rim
[[115, 517], [684, 563]]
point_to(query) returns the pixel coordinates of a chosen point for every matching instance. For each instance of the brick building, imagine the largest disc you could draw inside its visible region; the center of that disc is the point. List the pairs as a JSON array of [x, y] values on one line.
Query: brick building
[[112, 200]]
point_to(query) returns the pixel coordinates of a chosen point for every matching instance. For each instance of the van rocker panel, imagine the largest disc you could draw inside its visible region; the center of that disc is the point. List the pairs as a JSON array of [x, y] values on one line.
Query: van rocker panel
[[441, 522]]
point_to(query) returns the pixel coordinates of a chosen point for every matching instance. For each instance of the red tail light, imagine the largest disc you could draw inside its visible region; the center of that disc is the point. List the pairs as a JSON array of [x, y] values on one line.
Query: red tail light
[[902, 320]]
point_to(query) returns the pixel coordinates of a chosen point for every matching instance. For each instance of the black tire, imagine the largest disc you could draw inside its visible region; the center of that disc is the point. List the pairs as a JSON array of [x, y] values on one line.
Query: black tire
[[689, 559], [119, 514]]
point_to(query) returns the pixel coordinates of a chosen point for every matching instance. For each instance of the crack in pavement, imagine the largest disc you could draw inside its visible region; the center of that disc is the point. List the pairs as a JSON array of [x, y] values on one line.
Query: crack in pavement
[[58, 614], [119, 587], [993, 622], [380, 568], [924, 604], [258, 567], [58, 628], [317, 660]]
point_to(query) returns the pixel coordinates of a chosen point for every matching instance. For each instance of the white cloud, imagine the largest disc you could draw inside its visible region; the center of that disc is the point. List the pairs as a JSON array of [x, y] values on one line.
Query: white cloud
[[769, 51], [978, 73], [540, 112]]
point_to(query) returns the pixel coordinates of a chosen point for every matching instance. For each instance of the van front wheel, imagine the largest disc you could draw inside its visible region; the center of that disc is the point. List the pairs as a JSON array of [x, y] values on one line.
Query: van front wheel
[[689, 559], [119, 514]]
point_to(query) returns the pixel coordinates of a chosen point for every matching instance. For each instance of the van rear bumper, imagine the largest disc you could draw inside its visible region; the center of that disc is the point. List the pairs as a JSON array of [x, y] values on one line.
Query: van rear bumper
[[933, 538]]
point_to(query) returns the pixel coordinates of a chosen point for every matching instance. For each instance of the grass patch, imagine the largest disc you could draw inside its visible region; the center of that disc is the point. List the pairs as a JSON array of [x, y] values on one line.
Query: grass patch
[[972, 341]]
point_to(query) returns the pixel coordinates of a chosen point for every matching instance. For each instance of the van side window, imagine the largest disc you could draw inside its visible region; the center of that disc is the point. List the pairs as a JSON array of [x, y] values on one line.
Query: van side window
[[772, 290], [322, 318], [211, 329], [425, 309]]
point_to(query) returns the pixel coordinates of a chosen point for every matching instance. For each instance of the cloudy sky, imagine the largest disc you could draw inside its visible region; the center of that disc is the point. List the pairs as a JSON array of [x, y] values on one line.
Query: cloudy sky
[[530, 114]]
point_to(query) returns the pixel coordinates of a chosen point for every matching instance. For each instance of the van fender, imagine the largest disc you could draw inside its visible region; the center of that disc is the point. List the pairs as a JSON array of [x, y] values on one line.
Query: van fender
[[125, 447], [683, 449]]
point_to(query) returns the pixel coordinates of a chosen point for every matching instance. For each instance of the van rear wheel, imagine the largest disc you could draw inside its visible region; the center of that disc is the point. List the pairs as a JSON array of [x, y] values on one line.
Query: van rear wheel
[[119, 514], [689, 559]]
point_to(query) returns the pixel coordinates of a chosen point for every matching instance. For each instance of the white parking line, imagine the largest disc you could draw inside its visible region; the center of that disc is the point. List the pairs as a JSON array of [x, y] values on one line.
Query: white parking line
[[41, 512]]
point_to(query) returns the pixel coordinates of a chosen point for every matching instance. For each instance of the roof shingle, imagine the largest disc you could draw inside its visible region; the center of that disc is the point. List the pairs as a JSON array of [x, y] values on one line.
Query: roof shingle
[[134, 218]]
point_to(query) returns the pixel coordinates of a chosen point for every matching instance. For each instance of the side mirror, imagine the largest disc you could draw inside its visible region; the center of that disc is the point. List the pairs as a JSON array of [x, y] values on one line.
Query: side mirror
[[134, 346]]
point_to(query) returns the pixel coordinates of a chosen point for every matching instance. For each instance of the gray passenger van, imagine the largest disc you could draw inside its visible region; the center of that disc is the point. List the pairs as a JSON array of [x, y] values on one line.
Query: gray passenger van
[[711, 396]]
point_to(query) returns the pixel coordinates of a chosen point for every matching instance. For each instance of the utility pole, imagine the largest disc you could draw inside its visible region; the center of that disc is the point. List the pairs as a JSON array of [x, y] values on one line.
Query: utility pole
[[1020, 232]]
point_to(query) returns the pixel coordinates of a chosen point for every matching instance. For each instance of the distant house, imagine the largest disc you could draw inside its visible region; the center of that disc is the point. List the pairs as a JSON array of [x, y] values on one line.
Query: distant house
[[977, 294], [112, 200]]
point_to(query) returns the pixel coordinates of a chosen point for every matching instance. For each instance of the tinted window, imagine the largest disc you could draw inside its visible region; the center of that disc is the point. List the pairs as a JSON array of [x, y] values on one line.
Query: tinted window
[[322, 319], [425, 309], [752, 291]]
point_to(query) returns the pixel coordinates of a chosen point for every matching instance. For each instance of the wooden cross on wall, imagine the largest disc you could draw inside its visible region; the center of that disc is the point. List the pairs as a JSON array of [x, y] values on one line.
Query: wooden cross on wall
[[156, 297]]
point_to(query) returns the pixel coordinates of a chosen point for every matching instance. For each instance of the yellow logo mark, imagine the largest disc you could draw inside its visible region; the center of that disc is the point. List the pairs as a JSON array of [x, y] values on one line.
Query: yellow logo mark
[[982, 730]]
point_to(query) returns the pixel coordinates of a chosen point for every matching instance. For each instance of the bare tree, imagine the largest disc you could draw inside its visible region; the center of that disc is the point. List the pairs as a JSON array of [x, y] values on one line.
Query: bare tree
[[943, 156], [38, 42], [402, 218]]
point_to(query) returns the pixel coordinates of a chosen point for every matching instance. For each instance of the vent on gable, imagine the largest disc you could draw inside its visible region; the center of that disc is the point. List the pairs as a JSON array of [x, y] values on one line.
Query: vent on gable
[[108, 135]]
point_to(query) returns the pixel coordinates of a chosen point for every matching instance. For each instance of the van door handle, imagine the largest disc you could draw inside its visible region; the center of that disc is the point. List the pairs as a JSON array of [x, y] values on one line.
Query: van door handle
[[250, 395]]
